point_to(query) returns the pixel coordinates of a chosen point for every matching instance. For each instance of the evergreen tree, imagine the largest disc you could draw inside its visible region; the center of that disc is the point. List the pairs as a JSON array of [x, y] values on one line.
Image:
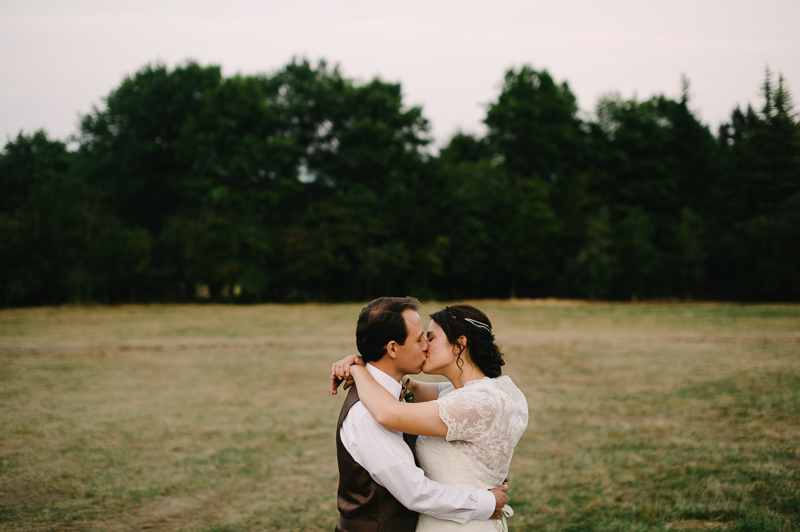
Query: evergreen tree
[[596, 267], [757, 255], [657, 166], [538, 144], [41, 226]]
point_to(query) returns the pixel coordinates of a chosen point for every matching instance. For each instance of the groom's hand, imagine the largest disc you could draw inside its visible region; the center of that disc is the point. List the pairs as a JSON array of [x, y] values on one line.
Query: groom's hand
[[500, 499]]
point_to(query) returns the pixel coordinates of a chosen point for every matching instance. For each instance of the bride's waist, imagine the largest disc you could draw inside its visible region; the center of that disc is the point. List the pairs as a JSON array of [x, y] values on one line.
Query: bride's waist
[[444, 462]]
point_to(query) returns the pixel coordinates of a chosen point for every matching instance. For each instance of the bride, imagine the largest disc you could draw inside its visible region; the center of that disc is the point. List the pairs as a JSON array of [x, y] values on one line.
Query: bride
[[468, 427]]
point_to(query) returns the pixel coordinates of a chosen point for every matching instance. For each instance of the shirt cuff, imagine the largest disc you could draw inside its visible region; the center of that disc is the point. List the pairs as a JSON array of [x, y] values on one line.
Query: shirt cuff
[[486, 504]]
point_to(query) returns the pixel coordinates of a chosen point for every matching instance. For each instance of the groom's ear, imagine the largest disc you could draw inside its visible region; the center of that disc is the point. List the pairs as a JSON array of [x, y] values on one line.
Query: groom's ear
[[391, 349]]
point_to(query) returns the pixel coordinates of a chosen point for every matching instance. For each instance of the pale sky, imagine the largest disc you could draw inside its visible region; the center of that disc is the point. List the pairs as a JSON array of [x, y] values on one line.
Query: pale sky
[[58, 58]]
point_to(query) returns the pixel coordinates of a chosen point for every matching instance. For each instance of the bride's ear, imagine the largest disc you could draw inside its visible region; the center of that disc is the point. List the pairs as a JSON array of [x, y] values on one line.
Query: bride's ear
[[462, 341], [461, 345]]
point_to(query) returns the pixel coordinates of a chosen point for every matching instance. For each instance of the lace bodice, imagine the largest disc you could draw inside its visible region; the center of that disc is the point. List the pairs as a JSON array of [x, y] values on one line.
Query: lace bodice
[[485, 419]]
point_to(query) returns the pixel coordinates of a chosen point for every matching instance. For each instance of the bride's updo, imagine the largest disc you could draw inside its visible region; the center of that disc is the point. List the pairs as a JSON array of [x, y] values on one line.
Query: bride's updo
[[465, 320]]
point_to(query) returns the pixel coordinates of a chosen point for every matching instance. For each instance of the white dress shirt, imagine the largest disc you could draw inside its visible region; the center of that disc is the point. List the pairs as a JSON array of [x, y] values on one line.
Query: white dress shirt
[[387, 458]]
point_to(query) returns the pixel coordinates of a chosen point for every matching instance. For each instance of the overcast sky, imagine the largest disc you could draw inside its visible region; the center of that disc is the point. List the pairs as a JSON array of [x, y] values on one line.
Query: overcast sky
[[59, 58]]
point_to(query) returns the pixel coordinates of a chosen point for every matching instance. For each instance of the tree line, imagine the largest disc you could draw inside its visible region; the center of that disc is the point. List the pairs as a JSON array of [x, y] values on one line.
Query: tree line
[[303, 185]]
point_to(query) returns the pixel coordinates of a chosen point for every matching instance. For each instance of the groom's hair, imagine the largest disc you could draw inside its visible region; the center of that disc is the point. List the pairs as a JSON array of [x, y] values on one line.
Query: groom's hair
[[380, 322]]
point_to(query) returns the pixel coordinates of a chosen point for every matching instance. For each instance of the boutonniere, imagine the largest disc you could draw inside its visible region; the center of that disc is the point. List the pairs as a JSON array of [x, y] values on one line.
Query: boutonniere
[[406, 394]]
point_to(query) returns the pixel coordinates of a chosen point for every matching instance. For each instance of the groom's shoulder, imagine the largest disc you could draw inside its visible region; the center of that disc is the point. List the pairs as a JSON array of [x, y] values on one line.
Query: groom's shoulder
[[359, 416], [356, 412]]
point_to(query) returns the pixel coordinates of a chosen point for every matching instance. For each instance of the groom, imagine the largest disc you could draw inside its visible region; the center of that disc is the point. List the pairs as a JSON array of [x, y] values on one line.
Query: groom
[[380, 486]]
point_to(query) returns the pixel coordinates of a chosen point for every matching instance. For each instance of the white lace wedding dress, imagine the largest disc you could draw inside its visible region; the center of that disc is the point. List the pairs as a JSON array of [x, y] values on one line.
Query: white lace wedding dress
[[485, 419]]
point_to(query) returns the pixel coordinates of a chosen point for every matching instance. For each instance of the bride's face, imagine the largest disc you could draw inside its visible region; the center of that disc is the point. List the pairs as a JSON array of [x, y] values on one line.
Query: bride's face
[[440, 351]]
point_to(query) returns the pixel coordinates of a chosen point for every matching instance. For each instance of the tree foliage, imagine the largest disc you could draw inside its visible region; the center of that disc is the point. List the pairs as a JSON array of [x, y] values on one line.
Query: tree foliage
[[305, 185]]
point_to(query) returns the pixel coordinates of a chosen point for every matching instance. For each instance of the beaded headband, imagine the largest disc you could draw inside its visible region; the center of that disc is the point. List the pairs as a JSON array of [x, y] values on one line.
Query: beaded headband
[[480, 324]]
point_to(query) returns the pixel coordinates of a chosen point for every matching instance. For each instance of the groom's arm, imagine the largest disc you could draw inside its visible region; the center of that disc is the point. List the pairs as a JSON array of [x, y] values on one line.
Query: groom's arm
[[390, 463]]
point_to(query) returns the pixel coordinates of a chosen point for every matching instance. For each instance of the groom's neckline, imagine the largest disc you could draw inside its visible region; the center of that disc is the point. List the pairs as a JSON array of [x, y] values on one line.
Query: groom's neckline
[[385, 380]]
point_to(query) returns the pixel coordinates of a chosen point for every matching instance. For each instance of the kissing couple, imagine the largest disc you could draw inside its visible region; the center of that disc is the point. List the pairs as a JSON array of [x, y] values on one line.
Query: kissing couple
[[417, 455]]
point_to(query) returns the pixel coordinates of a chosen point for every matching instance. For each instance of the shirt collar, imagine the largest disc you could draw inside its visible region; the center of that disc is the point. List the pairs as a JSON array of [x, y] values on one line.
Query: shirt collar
[[385, 380]]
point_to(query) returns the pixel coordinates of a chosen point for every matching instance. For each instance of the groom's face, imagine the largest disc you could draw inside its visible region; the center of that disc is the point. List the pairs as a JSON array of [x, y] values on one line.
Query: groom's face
[[411, 356]]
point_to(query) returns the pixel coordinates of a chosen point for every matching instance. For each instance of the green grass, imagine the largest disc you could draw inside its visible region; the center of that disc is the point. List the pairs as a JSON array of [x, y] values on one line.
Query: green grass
[[218, 418]]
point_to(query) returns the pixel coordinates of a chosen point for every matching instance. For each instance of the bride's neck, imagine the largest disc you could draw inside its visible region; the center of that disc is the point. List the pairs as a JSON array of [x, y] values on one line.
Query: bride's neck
[[467, 373]]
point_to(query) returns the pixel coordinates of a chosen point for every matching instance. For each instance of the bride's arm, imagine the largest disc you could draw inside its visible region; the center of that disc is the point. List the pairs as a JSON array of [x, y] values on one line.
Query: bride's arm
[[340, 373], [412, 418]]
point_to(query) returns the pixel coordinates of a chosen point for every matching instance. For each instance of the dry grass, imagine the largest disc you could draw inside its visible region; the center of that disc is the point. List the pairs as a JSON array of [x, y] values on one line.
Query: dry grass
[[218, 418]]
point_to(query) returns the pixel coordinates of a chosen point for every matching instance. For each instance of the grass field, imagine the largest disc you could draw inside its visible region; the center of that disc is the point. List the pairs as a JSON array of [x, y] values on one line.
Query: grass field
[[219, 418]]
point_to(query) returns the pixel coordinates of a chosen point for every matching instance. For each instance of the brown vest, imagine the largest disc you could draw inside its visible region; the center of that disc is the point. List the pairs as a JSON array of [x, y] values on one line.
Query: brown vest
[[365, 505]]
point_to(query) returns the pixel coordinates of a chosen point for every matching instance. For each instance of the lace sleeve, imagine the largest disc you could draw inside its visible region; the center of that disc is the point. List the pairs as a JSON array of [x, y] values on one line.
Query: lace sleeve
[[469, 415]]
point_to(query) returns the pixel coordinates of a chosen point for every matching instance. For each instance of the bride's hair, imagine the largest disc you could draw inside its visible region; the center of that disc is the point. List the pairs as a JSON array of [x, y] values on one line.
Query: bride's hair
[[465, 320]]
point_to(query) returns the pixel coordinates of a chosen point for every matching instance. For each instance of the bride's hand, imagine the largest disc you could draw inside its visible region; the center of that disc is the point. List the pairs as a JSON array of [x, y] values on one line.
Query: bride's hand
[[340, 372]]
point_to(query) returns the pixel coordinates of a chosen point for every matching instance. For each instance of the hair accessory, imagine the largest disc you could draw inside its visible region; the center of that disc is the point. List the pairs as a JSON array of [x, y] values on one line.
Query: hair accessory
[[480, 324]]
